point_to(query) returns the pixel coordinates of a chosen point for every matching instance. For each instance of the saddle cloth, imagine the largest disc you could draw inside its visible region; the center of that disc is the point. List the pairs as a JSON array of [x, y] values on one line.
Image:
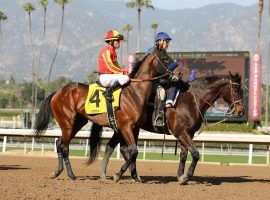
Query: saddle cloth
[[96, 103]]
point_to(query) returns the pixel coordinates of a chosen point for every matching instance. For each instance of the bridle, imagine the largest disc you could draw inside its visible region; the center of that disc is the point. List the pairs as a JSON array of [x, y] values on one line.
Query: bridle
[[232, 107], [230, 111]]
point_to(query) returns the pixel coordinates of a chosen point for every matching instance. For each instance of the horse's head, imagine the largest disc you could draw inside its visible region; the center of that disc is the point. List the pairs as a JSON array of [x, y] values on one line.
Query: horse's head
[[155, 64], [234, 95]]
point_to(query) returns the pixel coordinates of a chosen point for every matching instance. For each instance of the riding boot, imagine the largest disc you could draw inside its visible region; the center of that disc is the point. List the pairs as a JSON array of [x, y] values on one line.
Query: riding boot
[[108, 93], [158, 118]]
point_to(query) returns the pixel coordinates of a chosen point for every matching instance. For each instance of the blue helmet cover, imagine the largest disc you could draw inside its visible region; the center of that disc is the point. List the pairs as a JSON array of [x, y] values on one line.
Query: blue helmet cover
[[162, 36]]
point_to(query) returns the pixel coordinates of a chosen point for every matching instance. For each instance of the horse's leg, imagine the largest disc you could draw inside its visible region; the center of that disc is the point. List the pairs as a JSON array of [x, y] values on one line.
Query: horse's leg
[[60, 159], [187, 142], [67, 135], [133, 152], [183, 159], [108, 152], [70, 134], [62, 152], [133, 169]]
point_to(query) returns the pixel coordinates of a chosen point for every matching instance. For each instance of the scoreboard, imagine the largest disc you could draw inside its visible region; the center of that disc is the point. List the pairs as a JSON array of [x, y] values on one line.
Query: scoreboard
[[198, 64]]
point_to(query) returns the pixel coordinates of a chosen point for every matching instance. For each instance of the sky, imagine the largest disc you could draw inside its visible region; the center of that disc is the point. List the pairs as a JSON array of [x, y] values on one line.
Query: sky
[[180, 4]]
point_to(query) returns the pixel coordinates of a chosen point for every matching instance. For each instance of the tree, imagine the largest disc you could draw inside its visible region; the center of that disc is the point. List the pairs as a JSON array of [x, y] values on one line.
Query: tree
[[154, 26], [29, 7], [91, 78], [127, 28], [260, 9], [44, 4], [3, 17], [59, 83], [62, 3], [139, 4]]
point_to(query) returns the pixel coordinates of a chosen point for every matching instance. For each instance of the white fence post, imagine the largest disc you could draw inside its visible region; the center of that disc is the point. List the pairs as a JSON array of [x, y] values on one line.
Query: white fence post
[[118, 151], [267, 154], [4, 144], [144, 149], [42, 146], [203, 152], [33, 141], [86, 147], [55, 150], [24, 144], [250, 154]]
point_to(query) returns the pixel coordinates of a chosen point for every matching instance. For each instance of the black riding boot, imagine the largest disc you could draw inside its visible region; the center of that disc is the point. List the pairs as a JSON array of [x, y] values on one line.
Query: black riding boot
[[158, 118], [108, 93]]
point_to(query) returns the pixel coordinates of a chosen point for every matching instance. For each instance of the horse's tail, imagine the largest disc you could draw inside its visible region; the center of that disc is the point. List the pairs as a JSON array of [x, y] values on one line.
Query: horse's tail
[[94, 143], [44, 116]]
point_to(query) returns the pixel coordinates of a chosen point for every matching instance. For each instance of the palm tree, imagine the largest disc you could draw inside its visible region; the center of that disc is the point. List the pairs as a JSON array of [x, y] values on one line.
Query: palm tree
[[29, 7], [2, 18], [127, 28], [44, 4], [139, 4], [62, 3], [154, 26], [260, 9]]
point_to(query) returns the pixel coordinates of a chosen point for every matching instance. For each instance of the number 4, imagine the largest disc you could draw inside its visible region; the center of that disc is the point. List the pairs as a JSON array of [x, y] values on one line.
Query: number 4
[[95, 98]]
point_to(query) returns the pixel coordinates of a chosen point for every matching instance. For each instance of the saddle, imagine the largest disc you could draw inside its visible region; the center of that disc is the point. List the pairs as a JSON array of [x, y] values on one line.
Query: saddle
[[96, 103]]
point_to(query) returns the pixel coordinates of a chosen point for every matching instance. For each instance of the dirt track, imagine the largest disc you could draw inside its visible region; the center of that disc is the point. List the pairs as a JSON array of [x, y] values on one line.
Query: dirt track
[[28, 178]]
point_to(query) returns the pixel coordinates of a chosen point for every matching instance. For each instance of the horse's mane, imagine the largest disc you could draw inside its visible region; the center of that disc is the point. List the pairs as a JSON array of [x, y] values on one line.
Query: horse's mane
[[162, 54], [206, 82], [136, 67]]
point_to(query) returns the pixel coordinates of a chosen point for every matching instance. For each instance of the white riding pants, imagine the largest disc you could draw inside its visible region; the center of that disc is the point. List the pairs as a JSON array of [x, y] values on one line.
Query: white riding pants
[[109, 79], [161, 93]]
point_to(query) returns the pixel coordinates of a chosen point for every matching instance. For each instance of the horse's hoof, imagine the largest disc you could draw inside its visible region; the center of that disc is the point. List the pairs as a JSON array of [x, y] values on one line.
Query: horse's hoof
[[72, 177], [116, 177], [138, 180], [183, 180], [55, 174], [102, 176]]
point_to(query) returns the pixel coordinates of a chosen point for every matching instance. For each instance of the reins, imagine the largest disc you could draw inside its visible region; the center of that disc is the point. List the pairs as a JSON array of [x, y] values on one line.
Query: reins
[[148, 79], [227, 113]]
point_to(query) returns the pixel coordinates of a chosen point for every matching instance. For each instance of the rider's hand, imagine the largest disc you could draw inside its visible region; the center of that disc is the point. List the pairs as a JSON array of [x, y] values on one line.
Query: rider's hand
[[175, 78]]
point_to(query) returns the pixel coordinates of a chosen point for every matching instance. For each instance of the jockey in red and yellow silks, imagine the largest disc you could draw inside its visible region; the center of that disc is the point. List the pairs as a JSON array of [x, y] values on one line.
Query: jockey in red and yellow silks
[[107, 61], [110, 73]]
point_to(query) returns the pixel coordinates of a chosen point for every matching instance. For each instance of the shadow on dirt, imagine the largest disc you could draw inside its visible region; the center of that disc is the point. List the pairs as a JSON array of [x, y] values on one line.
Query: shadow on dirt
[[11, 167], [209, 180]]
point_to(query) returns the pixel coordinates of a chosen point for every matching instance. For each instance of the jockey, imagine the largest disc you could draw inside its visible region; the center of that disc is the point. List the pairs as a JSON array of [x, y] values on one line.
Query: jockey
[[110, 73], [162, 41]]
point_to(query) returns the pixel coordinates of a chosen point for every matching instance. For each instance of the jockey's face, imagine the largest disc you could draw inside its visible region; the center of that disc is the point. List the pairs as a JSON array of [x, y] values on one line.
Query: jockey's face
[[163, 44], [116, 44]]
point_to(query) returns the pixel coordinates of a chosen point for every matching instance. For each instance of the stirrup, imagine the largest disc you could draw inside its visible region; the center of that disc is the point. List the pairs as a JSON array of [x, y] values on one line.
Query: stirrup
[[159, 121]]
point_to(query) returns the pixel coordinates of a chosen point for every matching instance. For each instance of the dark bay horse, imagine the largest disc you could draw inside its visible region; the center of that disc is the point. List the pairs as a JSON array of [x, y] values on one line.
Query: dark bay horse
[[67, 107], [187, 117]]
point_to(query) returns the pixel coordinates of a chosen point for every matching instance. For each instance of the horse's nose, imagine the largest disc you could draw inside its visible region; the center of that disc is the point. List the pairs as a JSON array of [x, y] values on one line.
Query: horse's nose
[[240, 112]]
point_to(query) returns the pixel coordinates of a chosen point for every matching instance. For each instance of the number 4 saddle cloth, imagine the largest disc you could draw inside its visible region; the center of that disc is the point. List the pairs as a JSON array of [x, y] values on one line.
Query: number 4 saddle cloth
[[96, 102]]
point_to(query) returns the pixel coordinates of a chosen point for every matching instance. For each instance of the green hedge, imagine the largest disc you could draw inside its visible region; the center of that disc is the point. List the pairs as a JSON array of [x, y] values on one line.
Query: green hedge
[[230, 127]]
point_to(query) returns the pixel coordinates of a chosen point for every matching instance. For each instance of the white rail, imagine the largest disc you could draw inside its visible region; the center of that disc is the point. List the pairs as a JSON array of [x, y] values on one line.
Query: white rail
[[204, 137]]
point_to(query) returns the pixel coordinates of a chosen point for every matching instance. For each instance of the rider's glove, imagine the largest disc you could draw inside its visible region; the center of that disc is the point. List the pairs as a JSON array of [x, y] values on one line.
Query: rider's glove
[[175, 78]]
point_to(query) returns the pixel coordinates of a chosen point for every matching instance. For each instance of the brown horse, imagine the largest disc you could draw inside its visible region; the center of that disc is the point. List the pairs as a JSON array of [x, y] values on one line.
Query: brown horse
[[186, 118], [67, 107]]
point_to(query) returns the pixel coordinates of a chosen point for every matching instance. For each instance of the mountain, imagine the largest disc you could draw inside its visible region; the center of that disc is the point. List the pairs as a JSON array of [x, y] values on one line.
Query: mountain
[[217, 27]]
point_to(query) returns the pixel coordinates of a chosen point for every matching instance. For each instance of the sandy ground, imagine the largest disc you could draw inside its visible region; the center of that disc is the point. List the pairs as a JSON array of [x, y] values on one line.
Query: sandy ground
[[24, 177]]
